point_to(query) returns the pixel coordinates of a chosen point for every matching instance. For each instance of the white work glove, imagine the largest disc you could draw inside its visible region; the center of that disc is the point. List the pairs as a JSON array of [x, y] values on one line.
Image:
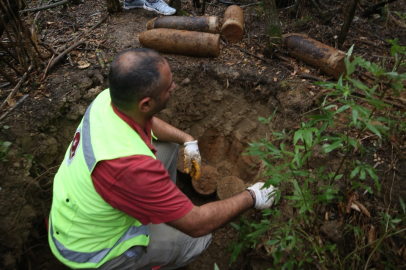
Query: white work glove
[[262, 195], [192, 160]]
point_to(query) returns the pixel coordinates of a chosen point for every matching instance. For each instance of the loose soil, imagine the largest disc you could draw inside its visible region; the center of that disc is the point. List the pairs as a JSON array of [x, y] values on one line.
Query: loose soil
[[217, 100]]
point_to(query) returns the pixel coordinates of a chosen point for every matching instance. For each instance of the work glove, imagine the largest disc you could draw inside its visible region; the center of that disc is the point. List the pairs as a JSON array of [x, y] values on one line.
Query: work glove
[[261, 195], [192, 160]]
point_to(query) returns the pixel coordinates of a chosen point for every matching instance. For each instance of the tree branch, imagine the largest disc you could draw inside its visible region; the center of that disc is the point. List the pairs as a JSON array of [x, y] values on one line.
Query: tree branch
[[44, 7]]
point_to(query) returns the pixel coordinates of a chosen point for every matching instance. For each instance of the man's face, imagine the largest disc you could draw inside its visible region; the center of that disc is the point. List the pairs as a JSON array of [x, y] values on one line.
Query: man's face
[[167, 86]]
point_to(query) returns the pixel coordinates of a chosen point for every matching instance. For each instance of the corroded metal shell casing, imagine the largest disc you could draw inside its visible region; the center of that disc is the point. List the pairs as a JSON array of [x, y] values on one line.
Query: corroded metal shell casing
[[233, 24], [181, 42], [199, 24], [318, 55]]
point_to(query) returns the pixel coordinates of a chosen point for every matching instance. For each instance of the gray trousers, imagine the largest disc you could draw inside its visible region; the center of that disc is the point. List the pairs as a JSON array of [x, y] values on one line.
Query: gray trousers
[[168, 247]]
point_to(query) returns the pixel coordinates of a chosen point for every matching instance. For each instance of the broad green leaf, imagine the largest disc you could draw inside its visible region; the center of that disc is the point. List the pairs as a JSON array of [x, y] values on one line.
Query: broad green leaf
[[362, 174], [6, 144], [236, 226], [373, 175], [354, 172], [277, 256], [236, 252], [272, 242], [308, 137], [359, 85], [343, 108], [297, 136], [331, 147], [289, 265], [373, 129]]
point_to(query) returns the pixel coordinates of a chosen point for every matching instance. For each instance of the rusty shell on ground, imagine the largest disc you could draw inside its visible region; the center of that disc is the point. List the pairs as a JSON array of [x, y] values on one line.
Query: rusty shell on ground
[[233, 24], [181, 42], [199, 24], [318, 55]]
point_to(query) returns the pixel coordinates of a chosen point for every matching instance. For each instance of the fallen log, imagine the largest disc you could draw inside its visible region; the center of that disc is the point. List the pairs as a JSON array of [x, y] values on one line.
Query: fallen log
[[318, 55]]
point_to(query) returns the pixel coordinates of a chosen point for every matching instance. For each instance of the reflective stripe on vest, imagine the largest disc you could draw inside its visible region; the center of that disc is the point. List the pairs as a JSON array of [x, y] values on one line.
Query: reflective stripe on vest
[[87, 144], [96, 256]]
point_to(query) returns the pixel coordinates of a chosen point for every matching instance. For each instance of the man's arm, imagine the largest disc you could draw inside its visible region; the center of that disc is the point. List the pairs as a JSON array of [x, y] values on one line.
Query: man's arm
[[202, 220], [168, 133]]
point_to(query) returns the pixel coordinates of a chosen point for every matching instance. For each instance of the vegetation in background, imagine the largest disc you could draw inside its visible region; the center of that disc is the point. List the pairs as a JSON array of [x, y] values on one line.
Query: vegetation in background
[[350, 112]]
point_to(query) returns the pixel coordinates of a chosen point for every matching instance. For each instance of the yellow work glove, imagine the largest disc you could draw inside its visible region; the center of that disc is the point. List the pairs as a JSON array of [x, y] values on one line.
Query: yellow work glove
[[192, 160]]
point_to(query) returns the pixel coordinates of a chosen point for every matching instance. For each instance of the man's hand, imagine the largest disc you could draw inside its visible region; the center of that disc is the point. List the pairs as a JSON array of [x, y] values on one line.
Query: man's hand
[[262, 195], [192, 160]]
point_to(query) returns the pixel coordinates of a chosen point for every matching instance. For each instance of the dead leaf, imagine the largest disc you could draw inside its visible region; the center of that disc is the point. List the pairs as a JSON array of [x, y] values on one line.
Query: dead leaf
[[275, 79], [295, 68], [304, 70], [10, 101], [363, 208], [351, 197], [372, 236], [83, 64], [402, 252], [355, 207], [227, 85]]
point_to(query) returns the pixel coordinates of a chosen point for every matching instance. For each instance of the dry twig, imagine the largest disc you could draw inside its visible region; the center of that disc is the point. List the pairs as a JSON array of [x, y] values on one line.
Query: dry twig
[[10, 96], [15, 106], [71, 48], [44, 7]]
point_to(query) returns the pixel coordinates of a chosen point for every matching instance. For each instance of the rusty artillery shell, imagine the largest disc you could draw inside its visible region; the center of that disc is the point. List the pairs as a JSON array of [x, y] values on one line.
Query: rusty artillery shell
[[229, 186], [318, 55], [206, 185], [233, 24], [199, 24], [181, 42]]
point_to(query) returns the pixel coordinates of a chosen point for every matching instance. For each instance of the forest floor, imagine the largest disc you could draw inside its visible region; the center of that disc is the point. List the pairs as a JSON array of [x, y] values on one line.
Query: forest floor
[[217, 100]]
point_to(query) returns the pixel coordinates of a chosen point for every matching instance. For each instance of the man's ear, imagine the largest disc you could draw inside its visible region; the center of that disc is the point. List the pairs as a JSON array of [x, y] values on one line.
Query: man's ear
[[146, 104]]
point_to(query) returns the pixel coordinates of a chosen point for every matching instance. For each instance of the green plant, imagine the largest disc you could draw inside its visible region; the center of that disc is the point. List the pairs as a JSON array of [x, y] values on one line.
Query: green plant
[[4, 148], [350, 112]]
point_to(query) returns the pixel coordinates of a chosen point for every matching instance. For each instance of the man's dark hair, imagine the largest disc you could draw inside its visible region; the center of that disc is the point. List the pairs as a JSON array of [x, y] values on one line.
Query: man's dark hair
[[133, 76]]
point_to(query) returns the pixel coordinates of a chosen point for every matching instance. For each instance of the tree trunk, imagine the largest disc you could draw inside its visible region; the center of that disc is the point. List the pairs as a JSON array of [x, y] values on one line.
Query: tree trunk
[[113, 6], [272, 23], [347, 22], [24, 49]]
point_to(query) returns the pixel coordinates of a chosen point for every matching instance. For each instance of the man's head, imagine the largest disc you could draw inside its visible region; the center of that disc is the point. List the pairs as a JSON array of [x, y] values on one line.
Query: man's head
[[139, 78]]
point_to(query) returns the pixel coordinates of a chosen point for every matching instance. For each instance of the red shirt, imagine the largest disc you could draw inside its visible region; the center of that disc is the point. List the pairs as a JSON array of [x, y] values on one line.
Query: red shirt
[[139, 185]]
